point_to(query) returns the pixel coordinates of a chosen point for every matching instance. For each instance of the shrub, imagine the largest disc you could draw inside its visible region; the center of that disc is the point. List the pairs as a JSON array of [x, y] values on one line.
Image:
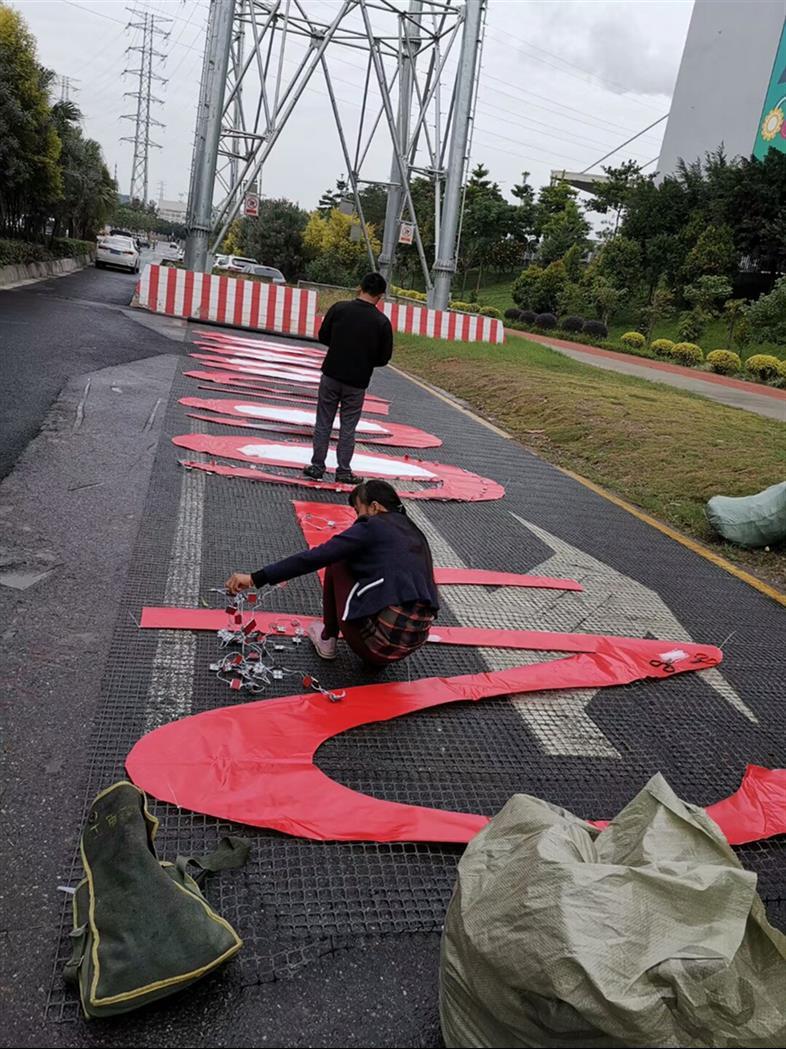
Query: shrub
[[688, 353], [767, 316], [596, 328], [724, 362], [513, 314], [474, 307], [490, 311], [527, 316], [633, 340], [546, 321], [571, 323], [763, 366], [782, 369], [692, 324], [663, 347]]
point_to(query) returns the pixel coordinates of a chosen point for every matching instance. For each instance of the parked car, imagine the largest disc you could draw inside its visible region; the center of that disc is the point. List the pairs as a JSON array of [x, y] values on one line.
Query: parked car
[[268, 273], [221, 262], [121, 233], [239, 264], [117, 251], [143, 242]]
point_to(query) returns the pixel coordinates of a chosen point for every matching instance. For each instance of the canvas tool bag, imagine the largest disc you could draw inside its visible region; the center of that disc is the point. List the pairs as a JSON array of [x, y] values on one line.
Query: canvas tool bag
[[142, 928]]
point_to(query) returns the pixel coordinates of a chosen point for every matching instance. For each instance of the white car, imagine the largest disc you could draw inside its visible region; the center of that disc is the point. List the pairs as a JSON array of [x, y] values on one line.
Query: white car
[[117, 251], [269, 274], [238, 264]]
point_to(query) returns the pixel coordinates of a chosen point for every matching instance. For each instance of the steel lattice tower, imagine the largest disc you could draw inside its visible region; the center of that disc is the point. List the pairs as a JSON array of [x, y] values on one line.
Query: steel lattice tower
[[152, 27]]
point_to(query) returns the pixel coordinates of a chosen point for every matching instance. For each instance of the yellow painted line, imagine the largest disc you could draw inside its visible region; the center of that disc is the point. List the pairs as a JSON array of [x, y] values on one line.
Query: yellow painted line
[[672, 533]]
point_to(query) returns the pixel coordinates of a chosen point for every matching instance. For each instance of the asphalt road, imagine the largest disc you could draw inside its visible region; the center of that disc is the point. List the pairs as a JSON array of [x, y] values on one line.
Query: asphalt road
[[52, 331]]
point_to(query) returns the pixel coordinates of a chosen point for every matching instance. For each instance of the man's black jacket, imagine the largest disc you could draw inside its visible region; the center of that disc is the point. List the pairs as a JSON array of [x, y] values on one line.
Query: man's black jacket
[[359, 339]]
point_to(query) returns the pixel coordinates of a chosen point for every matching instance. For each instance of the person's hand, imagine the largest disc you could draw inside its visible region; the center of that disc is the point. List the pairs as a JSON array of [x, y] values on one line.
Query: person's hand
[[238, 581]]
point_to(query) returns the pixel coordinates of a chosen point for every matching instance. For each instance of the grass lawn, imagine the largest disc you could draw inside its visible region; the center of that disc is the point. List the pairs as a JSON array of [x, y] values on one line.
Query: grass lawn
[[663, 449]]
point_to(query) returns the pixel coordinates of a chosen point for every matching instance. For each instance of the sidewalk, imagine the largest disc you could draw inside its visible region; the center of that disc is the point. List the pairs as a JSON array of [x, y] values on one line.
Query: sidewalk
[[752, 397]]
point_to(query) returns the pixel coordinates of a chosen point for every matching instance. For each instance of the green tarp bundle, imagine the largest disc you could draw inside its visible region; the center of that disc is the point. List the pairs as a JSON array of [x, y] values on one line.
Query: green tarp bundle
[[647, 933]]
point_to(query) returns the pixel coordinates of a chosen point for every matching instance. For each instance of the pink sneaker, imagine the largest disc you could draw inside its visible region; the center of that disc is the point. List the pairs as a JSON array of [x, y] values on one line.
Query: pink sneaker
[[325, 649]]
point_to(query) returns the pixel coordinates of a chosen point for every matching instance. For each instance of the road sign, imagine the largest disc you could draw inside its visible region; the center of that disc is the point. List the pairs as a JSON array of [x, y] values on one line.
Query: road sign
[[406, 233], [251, 205]]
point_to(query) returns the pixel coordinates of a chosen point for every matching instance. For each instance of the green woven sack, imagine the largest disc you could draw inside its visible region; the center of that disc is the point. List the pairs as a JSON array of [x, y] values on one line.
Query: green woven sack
[[142, 929]]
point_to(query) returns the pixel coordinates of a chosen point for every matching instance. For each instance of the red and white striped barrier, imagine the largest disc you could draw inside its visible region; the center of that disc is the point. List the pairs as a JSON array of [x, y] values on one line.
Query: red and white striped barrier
[[227, 300], [443, 324]]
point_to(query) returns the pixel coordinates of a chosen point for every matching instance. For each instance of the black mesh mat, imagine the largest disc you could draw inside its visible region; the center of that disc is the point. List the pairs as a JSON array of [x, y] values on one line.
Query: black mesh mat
[[297, 901]]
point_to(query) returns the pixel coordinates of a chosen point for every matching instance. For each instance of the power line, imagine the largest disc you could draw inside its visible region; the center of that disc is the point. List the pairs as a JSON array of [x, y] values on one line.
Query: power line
[[625, 143]]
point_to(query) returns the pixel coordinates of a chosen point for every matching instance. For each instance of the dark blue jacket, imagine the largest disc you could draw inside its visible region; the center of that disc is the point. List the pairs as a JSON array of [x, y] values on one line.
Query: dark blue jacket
[[387, 555]]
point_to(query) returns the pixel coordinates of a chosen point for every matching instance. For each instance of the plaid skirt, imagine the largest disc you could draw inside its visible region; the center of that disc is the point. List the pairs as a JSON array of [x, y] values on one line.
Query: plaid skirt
[[397, 630]]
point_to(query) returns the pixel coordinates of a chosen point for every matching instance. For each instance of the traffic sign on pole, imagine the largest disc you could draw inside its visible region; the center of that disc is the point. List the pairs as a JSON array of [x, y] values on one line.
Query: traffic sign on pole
[[251, 205]]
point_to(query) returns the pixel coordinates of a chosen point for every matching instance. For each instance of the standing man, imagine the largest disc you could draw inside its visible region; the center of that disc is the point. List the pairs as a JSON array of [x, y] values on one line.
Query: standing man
[[359, 339]]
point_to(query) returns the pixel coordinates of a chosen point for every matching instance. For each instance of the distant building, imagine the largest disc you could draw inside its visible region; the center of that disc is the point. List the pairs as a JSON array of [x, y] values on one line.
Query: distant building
[[731, 85], [172, 211]]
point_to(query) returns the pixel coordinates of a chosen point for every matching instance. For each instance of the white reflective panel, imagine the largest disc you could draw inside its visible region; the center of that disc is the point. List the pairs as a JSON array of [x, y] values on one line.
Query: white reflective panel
[[298, 416], [300, 456]]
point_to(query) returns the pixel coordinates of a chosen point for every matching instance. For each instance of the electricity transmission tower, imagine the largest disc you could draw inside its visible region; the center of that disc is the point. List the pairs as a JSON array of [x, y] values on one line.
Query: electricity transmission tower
[[415, 91], [151, 26]]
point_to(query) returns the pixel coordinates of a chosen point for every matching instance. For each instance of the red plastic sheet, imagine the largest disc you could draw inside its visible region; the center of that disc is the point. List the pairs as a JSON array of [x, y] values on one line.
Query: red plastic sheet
[[269, 356], [254, 763], [301, 421], [259, 388], [453, 481], [243, 366], [320, 523], [230, 340], [662, 653], [756, 810]]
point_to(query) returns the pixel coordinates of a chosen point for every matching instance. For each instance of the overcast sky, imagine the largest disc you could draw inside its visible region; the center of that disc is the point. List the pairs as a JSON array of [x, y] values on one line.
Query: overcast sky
[[562, 83]]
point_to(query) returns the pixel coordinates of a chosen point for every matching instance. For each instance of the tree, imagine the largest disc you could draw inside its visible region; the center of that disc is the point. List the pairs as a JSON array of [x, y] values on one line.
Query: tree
[[333, 256], [523, 217], [658, 308], [606, 298], [561, 231], [487, 221], [275, 236], [734, 310], [331, 198], [708, 293], [612, 195], [620, 261], [552, 199], [767, 316], [713, 253], [540, 289], [30, 178], [89, 193]]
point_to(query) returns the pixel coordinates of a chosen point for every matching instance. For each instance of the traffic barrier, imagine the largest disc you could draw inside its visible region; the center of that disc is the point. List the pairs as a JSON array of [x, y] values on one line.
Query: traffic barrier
[[443, 324], [227, 300]]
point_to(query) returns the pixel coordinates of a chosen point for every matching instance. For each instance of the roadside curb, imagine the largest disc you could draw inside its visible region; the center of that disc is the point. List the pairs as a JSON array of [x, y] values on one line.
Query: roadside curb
[[13, 275]]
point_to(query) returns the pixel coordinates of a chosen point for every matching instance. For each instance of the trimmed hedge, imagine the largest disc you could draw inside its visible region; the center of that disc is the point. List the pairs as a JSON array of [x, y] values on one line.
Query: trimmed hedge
[[527, 316], [764, 366], [571, 323], [597, 328], [663, 347], [21, 252], [490, 311], [688, 353], [513, 314], [545, 320], [633, 339], [724, 362]]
